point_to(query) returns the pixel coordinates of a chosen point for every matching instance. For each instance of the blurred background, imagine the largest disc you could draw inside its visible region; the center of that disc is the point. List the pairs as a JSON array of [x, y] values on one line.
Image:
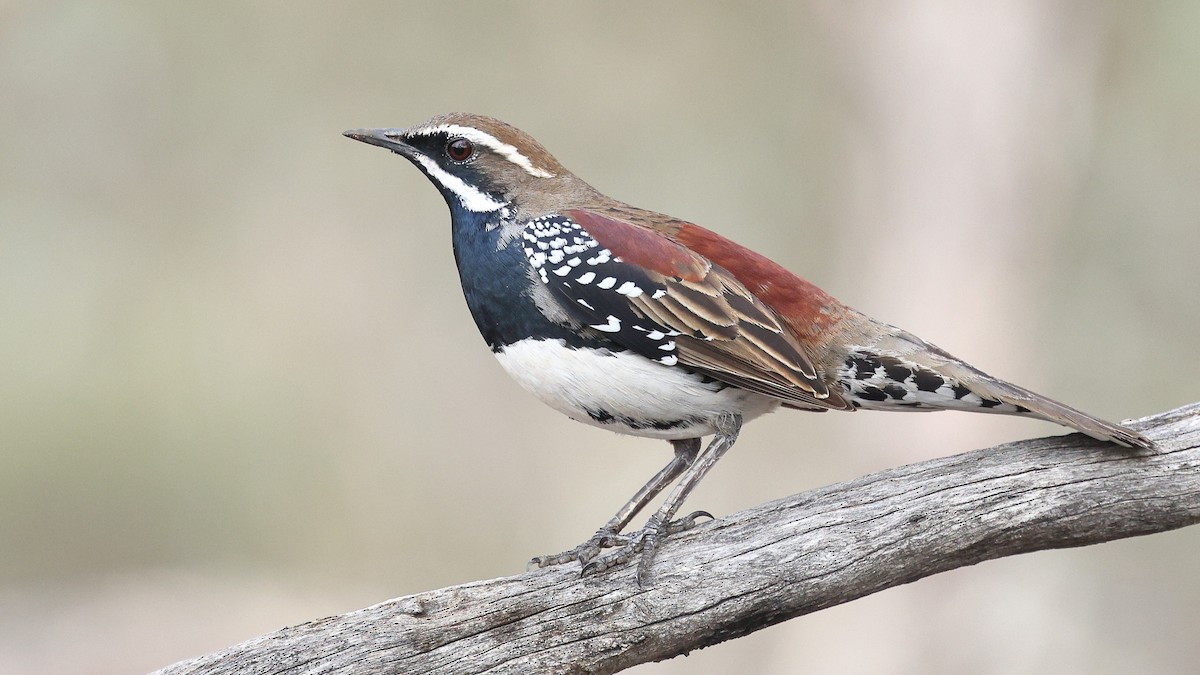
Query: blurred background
[[239, 388]]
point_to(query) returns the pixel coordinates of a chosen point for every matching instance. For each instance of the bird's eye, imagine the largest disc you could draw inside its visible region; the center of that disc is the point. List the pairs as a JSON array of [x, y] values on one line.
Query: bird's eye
[[460, 149]]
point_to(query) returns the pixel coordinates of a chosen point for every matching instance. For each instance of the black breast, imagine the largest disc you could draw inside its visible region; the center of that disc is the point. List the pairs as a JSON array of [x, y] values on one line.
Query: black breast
[[498, 289]]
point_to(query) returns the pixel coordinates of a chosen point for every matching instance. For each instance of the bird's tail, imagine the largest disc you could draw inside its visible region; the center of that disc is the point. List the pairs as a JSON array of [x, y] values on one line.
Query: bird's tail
[[903, 372], [1032, 404]]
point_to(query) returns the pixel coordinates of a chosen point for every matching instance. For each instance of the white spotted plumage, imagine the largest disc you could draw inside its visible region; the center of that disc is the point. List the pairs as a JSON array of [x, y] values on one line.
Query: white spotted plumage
[[630, 289], [611, 325], [554, 246]]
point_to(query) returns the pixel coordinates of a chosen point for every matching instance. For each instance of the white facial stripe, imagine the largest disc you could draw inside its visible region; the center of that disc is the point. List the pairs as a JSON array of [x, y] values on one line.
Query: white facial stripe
[[496, 145], [472, 199]]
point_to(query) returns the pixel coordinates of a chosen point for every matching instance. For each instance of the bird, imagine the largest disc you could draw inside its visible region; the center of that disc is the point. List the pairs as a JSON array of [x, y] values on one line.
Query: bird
[[648, 325]]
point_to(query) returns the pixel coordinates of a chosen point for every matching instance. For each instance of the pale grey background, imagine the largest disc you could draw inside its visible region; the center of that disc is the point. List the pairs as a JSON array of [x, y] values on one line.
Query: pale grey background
[[239, 388]]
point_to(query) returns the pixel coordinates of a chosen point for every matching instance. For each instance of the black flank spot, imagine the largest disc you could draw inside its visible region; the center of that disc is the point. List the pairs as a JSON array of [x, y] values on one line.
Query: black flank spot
[[989, 403], [661, 425], [1023, 409], [960, 391], [601, 416], [866, 367], [895, 391], [897, 372], [872, 394], [927, 380]]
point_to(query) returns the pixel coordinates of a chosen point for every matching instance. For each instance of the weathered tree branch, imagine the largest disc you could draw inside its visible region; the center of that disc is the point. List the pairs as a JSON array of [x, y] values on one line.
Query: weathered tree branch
[[762, 566]]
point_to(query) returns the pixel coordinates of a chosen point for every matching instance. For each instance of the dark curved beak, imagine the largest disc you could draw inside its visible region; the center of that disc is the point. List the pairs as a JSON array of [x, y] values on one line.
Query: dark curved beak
[[392, 139]]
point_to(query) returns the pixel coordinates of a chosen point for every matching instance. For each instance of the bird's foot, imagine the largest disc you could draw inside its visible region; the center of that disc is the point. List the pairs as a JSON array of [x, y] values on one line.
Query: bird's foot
[[605, 537], [644, 541]]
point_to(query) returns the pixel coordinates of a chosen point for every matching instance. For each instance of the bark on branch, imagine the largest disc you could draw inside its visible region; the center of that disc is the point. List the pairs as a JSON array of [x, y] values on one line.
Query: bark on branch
[[752, 569]]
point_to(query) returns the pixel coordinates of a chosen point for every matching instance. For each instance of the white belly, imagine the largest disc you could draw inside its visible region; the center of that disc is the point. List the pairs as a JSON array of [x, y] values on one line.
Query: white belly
[[626, 392]]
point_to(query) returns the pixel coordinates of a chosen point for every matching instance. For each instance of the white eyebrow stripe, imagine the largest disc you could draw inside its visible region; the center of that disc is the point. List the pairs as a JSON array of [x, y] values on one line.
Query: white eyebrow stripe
[[496, 145], [472, 199]]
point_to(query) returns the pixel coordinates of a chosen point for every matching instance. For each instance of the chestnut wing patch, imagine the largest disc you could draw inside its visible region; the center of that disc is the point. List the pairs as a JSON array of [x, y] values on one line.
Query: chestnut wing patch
[[654, 296]]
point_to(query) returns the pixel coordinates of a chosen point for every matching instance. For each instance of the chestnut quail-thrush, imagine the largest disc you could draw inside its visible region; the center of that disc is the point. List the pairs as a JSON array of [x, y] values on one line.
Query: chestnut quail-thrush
[[644, 324]]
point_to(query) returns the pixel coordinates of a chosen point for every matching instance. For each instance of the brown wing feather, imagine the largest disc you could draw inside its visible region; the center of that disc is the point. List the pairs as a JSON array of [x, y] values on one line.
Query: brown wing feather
[[726, 331], [811, 313]]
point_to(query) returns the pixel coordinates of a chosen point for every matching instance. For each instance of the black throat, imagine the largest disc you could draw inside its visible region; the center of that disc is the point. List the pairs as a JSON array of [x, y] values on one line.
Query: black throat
[[497, 285]]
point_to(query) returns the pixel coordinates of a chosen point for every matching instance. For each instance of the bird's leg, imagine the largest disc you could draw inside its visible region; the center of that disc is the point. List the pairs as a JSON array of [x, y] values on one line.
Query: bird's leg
[[660, 525], [610, 533]]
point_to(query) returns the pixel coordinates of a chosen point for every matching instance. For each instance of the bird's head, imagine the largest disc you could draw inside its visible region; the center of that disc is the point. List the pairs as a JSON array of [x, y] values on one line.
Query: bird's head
[[480, 164]]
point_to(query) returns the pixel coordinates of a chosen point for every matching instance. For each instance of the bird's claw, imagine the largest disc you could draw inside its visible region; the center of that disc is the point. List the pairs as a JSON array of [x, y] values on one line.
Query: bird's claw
[[644, 541], [584, 553], [688, 522]]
